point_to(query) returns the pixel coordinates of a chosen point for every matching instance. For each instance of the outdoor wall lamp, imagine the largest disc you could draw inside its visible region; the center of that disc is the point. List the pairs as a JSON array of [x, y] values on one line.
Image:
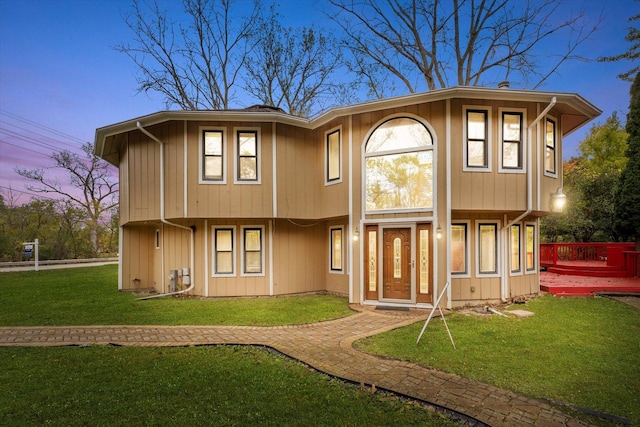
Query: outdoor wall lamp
[[558, 200], [356, 234], [438, 233]]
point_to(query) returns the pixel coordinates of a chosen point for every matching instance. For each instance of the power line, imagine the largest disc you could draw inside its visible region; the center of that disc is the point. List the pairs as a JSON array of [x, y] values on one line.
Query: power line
[[40, 126], [30, 137], [24, 148], [27, 193]]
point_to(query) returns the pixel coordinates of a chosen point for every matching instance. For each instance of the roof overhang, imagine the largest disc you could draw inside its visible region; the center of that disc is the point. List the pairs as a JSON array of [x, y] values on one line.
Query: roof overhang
[[575, 111]]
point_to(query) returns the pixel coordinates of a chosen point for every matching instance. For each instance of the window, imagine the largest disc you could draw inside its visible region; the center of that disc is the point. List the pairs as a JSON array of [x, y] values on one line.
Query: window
[[157, 239], [247, 152], [424, 259], [372, 256], [336, 249], [550, 148], [213, 155], [252, 251], [477, 146], [223, 251], [399, 166], [515, 249], [333, 157], [512, 141], [530, 242], [459, 249], [487, 249]]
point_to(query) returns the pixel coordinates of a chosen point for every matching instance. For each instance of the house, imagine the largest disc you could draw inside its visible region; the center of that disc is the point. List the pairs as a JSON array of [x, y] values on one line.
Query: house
[[384, 201]]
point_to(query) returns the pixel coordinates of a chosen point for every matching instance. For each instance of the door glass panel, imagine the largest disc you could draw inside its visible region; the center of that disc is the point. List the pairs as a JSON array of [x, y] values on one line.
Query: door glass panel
[[372, 261], [397, 258], [424, 261]]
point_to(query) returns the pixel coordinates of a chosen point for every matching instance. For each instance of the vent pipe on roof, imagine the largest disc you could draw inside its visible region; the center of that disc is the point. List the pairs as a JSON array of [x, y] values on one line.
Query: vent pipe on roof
[[503, 84]]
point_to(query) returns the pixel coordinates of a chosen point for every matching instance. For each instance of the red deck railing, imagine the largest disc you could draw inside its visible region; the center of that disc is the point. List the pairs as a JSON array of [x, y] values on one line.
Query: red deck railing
[[618, 256]]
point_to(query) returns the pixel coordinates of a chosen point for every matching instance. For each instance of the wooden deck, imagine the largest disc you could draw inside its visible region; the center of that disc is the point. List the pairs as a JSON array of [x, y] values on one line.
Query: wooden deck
[[578, 285]]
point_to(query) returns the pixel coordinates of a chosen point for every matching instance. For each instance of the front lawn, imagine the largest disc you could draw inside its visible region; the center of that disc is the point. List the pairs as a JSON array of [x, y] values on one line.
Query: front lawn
[[583, 351], [89, 296], [195, 386]]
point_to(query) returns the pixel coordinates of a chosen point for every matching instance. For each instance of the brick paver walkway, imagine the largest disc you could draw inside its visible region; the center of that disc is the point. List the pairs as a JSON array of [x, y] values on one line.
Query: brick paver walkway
[[327, 347]]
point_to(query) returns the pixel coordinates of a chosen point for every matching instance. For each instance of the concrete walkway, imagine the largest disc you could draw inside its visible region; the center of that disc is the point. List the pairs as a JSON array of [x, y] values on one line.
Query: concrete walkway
[[327, 347]]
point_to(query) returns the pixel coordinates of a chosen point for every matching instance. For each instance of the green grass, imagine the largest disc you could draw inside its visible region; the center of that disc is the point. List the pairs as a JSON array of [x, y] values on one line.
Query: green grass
[[583, 351], [221, 386], [89, 296]]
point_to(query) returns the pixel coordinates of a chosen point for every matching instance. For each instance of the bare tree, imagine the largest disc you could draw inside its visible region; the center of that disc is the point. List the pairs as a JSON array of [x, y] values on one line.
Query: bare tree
[[90, 176], [194, 65], [427, 45], [292, 68]]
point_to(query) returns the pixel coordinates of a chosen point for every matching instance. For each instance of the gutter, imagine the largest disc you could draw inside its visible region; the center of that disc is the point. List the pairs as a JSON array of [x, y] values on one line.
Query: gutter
[[165, 221], [505, 229]]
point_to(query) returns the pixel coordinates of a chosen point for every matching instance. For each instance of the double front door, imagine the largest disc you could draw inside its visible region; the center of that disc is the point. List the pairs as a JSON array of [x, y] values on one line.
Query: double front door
[[398, 265]]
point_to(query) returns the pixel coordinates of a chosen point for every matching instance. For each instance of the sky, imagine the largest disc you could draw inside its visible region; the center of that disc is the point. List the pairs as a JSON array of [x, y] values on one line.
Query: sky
[[61, 78]]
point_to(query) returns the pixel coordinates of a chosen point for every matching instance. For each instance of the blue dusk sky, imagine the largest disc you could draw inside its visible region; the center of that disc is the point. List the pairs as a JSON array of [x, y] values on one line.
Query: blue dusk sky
[[60, 77]]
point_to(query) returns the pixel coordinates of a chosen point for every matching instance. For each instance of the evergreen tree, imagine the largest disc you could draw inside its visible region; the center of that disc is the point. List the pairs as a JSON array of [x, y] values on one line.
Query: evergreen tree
[[627, 210]]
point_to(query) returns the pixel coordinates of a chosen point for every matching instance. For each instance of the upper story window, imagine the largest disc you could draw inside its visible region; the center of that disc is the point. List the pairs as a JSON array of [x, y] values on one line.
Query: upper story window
[[550, 157], [398, 159], [213, 155], [477, 139], [247, 145], [333, 159], [512, 142]]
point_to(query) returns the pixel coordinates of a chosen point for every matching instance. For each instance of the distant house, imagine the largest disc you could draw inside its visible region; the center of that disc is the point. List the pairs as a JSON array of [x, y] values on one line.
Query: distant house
[[384, 201]]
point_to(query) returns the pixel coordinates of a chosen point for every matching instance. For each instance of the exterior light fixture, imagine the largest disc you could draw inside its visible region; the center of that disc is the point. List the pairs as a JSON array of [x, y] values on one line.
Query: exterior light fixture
[[558, 200], [356, 234], [438, 233]]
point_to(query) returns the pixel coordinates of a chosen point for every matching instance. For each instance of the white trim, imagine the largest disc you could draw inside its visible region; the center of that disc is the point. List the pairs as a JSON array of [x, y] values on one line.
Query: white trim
[[332, 228], [120, 252], [274, 168], [185, 179], [544, 147], [520, 252], [234, 255], [448, 143], [271, 283], [326, 156], [498, 249], [489, 147], [523, 142], [225, 148], [236, 156], [206, 258], [262, 246], [467, 248]]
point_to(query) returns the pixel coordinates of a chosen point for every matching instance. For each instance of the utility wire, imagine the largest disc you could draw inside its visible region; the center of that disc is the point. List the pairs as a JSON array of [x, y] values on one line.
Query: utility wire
[[43, 127]]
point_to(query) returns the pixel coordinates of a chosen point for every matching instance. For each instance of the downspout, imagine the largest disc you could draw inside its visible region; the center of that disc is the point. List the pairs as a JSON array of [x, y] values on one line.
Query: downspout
[[505, 229], [164, 220]]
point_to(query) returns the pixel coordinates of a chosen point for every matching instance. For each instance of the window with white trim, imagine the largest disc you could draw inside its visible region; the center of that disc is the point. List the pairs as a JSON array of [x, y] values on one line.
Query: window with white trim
[[399, 166], [477, 139], [157, 239], [224, 251], [213, 155], [487, 256], [333, 157], [247, 165], [530, 245], [253, 251], [336, 258], [515, 249], [550, 156], [511, 141], [460, 249]]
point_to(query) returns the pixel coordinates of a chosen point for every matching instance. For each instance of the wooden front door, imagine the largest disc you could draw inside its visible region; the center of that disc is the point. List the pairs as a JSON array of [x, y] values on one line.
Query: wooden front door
[[396, 274]]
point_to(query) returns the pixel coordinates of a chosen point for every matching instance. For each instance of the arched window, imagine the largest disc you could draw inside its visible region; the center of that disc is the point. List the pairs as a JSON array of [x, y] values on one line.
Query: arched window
[[399, 166]]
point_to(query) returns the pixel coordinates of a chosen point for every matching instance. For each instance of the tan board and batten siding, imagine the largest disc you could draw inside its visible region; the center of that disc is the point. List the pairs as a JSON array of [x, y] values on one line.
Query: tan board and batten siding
[[297, 208]]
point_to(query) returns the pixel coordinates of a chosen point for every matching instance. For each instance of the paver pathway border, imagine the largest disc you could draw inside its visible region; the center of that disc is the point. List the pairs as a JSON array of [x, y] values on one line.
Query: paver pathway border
[[326, 347]]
